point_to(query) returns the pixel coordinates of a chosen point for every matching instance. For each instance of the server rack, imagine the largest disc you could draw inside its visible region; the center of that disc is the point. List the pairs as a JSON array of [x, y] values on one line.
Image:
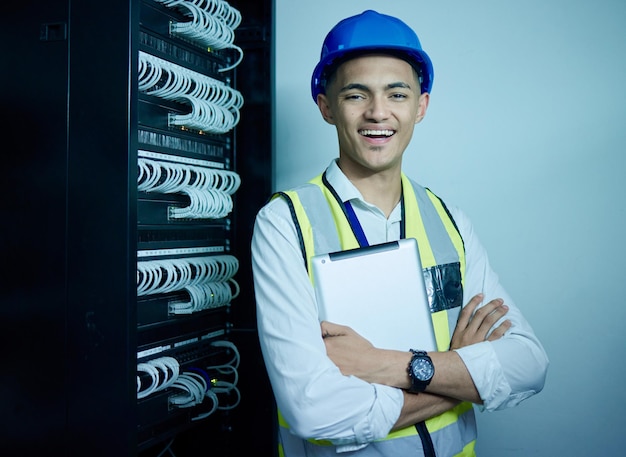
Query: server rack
[[79, 228]]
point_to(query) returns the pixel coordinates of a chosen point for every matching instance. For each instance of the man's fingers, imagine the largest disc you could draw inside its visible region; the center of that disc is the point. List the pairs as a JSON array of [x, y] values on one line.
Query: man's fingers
[[499, 331], [486, 317], [468, 310], [331, 329], [476, 324], [484, 313]]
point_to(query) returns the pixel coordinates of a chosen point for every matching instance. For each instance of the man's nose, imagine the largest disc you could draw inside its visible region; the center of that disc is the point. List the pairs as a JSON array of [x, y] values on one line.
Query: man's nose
[[378, 109]]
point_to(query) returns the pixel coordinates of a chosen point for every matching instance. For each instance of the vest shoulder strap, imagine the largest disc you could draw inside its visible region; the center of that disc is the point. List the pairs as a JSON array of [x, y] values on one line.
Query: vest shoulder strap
[[287, 196]]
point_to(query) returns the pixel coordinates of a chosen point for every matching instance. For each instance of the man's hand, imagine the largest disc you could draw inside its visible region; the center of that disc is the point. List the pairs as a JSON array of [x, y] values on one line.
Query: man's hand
[[346, 347], [473, 327], [355, 355]]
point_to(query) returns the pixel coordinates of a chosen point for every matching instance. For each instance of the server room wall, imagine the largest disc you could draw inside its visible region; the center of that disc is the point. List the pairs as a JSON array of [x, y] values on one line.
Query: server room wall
[[525, 132]]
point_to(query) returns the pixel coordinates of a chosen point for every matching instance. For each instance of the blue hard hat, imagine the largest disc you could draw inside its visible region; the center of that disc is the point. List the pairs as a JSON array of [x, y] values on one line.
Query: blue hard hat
[[371, 31]]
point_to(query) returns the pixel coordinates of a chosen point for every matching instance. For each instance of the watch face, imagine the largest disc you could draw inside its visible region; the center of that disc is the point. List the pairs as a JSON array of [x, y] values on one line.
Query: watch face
[[423, 369]]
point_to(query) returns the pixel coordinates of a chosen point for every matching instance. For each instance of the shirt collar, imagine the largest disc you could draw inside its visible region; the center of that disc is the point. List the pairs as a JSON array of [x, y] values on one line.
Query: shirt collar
[[348, 192], [345, 189]]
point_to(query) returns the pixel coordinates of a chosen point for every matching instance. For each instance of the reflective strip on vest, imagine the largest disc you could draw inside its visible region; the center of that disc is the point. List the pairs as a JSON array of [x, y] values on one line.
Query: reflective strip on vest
[[455, 440], [326, 229]]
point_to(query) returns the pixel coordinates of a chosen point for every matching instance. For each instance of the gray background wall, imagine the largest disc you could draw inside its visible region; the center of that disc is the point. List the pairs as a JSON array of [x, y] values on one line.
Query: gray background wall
[[526, 132]]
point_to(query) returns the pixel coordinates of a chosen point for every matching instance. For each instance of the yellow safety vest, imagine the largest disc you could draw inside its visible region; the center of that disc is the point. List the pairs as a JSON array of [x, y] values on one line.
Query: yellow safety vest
[[322, 227]]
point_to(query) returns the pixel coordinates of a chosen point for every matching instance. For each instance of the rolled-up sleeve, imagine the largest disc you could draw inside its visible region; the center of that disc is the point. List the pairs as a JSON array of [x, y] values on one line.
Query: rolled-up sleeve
[[514, 367], [315, 399]]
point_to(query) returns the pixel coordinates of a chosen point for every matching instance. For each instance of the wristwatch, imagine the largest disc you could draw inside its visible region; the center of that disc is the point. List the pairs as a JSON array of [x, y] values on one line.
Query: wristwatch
[[421, 371]]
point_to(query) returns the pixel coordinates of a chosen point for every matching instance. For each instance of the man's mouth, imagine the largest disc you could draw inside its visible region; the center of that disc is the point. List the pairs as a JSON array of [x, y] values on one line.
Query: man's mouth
[[376, 133]]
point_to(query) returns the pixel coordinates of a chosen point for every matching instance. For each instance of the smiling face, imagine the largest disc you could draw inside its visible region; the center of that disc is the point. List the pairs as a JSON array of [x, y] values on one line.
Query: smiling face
[[374, 102]]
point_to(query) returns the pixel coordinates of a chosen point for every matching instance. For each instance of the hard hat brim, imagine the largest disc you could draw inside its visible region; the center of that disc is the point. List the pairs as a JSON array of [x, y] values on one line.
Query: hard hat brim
[[417, 58]]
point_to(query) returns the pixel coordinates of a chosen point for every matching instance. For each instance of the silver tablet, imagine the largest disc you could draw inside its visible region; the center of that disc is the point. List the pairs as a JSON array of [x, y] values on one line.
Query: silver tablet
[[379, 291]]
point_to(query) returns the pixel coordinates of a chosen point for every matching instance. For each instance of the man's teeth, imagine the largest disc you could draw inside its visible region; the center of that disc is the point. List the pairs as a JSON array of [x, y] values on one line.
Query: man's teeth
[[377, 132]]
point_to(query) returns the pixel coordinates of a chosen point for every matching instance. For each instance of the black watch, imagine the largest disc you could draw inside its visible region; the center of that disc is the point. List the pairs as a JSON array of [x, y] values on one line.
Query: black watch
[[421, 371]]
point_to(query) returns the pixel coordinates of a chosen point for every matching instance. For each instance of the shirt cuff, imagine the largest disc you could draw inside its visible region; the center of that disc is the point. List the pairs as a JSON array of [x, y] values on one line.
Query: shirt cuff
[[381, 419], [486, 372]]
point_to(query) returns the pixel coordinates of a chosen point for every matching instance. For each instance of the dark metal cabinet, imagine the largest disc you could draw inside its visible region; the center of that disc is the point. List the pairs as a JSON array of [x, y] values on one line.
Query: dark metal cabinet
[[70, 234]]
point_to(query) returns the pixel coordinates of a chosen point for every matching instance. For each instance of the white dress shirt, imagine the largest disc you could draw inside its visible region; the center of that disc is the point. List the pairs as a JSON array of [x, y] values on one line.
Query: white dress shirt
[[316, 400]]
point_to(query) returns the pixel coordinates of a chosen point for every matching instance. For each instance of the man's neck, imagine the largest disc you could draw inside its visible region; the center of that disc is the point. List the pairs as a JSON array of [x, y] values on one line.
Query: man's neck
[[383, 191]]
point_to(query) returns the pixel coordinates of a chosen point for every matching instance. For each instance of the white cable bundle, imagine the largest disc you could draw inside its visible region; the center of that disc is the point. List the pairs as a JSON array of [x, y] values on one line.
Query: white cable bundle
[[209, 190], [169, 275], [204, 204], [206, 296], [228, 369], [195, 389], [222, 386], [163, 372], [171, 177], [212, 24], [214, 105], [193, 384], [205, 116]]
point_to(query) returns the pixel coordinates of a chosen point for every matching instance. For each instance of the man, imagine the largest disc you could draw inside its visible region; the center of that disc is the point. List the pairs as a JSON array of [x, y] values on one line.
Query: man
[[335, 392]]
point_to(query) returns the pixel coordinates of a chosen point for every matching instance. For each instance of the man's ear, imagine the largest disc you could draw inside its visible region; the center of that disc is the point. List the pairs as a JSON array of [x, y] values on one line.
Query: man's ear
[[422, 106], [322, 104]]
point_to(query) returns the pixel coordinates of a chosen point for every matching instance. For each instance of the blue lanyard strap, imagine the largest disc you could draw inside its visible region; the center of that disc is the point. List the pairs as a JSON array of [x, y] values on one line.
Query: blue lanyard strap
[[356, 225]]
